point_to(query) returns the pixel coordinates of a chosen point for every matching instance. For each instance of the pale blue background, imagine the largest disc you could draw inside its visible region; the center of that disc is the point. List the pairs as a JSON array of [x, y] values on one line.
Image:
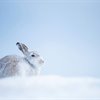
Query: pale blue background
[[65, 32]]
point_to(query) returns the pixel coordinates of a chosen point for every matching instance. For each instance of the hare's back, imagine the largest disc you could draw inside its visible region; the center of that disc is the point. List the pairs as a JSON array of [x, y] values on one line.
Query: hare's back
[[8, 65], [10, 58]]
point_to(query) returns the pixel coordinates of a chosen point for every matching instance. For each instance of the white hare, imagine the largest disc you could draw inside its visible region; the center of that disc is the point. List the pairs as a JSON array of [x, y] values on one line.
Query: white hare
[[12, 65]]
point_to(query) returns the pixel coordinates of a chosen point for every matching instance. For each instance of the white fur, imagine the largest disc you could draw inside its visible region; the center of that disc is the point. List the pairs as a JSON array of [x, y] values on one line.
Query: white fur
[[15, 65]]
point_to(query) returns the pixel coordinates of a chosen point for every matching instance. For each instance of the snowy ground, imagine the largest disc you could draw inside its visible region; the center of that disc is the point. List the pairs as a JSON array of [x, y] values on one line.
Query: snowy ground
[[50, 87]]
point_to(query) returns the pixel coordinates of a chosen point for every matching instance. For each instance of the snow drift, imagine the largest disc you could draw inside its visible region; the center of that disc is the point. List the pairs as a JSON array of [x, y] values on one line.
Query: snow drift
[[49, 87]]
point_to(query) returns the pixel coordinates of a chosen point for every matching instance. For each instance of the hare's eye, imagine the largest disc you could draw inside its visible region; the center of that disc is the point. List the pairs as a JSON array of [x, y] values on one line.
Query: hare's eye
[[33, 55]]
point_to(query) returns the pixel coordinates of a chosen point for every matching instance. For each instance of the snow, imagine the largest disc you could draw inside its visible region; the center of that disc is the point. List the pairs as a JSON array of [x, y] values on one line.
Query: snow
[[49, 87]]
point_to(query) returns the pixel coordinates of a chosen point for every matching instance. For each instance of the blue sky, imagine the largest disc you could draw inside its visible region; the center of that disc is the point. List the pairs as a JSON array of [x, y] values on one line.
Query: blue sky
[[65, 32]]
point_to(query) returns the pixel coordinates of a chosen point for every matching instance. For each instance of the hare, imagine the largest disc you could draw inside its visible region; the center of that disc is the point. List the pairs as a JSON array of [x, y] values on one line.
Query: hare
[[13, 65]]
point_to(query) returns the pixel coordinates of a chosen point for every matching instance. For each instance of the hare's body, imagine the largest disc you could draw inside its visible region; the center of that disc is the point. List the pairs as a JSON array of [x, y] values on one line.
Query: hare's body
[[8, 66], [15, 65]]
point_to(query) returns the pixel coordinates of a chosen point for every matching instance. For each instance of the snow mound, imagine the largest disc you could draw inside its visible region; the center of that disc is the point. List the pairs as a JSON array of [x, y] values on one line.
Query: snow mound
[[49, 87]]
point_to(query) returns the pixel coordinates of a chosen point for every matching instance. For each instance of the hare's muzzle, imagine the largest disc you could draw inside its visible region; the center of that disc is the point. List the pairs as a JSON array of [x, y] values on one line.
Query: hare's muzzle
[[41, 61]]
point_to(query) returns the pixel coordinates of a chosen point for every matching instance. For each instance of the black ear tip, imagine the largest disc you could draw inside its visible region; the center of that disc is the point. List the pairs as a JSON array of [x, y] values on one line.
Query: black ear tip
[[17, 43]]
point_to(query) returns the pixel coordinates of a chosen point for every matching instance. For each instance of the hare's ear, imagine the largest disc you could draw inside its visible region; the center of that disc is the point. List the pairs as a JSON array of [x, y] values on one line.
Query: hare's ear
[[22, 47]]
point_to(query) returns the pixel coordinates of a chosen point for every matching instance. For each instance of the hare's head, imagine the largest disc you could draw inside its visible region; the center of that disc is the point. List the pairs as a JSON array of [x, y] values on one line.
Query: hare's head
[[31, 56]]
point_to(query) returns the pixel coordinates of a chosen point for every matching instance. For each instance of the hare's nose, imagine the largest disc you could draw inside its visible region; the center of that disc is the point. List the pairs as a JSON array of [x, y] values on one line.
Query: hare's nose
[[41, 61]]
